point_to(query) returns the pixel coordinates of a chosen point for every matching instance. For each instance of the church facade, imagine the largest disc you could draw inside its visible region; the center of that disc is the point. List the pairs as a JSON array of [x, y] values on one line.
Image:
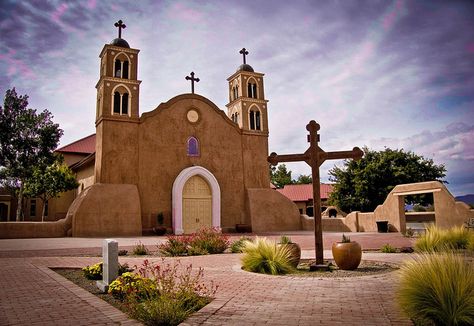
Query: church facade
[[187, 159]]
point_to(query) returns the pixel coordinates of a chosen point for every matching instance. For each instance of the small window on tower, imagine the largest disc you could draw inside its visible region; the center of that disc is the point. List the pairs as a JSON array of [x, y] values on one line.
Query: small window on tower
[[125, 70], [193, 146], [125, 103], [252, 120], [118, 69], [257, 120], [117, 102], [254, 90]]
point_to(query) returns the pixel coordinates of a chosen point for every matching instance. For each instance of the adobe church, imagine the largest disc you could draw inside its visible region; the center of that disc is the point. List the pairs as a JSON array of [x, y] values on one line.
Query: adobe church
[[187, 159]]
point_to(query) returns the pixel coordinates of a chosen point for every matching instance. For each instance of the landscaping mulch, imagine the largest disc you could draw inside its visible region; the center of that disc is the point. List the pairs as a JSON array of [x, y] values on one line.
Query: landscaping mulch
[[366, 268], [76, 276]]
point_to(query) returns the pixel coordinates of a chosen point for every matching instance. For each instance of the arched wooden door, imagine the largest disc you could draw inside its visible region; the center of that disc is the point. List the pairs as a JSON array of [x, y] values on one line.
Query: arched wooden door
[[197, 205]]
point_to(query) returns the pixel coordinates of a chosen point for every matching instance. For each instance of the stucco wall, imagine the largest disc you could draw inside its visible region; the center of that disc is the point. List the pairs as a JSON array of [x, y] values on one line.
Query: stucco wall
[[20, 230], [271, 211], [106, 210], [163, 135]]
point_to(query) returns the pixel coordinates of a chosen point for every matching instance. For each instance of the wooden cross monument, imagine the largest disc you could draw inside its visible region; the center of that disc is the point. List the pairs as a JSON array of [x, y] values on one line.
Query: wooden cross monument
[[192, 79], [315, 156], [120, 25]]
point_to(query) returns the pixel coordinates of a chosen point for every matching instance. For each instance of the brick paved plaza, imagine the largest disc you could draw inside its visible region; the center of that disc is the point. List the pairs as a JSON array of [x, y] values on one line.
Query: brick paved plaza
[[32, 294]]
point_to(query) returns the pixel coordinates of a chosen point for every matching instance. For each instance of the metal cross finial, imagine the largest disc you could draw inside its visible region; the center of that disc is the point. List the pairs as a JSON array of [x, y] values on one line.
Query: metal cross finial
[[120, 25], [244, 52], [192, 79]]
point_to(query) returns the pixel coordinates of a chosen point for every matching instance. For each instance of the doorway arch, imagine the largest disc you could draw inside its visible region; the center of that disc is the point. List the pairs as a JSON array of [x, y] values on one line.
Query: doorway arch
[[177, 194]]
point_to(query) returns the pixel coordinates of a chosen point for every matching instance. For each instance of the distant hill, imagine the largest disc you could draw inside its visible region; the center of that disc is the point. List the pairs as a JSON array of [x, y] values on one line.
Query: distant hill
[[468, 199]]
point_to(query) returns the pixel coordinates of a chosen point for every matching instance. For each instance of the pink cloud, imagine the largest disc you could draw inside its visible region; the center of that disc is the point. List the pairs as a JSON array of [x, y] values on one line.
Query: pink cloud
[[470, 48], [57, 14], [91, 4], [17, 66], [179, 10], [390, 18]]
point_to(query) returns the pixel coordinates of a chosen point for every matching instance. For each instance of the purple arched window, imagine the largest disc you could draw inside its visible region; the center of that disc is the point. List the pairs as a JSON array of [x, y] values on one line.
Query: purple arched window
[[193, 147]]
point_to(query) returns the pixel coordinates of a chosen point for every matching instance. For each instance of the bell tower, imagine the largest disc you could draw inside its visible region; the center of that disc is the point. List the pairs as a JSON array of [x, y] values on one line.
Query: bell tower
[[117, 111], [247, 104], [118, 87]]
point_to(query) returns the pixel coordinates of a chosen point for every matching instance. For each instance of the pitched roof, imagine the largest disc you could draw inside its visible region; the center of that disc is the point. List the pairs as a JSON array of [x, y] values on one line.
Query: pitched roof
[[85, 145], [304, 192]]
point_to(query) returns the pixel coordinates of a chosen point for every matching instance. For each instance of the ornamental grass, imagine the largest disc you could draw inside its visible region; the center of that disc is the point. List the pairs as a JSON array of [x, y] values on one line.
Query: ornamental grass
[[436, 239], [438, 289], [264, 256]]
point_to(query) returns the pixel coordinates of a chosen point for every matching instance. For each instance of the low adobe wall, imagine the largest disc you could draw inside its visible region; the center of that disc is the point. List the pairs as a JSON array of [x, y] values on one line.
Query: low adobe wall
[[271, 211], [334, 224], [23, 230], [104, 210]]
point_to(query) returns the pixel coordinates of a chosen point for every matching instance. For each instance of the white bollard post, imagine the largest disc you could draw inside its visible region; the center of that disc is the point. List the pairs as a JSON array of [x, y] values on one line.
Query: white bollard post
[[110, 264]]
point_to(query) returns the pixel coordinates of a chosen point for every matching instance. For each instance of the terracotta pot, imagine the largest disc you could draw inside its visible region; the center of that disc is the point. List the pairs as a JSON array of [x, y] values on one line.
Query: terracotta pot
[[159, 230], [295, 253], [347, 254]]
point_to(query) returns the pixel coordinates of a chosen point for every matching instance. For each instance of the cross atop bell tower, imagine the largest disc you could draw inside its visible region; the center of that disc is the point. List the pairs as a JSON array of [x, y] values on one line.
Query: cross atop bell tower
[[120, 25], [247, 104]]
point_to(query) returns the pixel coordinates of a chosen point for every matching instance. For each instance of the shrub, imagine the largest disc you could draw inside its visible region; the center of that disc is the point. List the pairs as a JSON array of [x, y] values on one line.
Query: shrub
[[94, 272], [175, 245], [209, 240], [181, 292], [284, 239], [345, 239], [129, 283], [264, 256], [388, 249], [438, 289], [436, 239], [140, 249], [237, 245], [122, 252], [458, 237], [205, 241], [470, 245], [409, 233]]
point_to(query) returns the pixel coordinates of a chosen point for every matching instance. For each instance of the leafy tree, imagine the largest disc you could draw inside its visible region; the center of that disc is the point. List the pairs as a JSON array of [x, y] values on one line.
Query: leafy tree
[[48, 182], [280, 176], [27, 140], [304, 179], [364, 184]]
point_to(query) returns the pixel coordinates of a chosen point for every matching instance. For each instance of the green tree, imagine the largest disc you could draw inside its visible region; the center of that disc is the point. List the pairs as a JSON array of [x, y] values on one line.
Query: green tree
[[303, 179], [364, 184], [48, 182], [280, 176], [27, 140]]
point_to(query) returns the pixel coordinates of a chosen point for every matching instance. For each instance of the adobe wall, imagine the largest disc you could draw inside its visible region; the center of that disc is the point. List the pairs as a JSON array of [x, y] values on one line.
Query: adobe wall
[[448, 212], [104, 210], [116, 158], [328, 224], [22, 230], [271, 211], [163, 135]]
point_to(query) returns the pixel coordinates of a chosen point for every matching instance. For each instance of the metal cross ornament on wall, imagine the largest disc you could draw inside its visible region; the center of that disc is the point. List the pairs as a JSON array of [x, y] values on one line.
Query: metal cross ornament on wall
[[314, 157], [244, 52], [192, 79], [120, 25]]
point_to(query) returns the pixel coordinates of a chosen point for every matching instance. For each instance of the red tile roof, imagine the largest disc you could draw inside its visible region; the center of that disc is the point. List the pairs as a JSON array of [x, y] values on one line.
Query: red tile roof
[[304, 192], [85, 145]]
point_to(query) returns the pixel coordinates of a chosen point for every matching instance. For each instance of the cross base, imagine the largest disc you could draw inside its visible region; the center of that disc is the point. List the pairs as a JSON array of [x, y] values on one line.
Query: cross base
[[319, 268]]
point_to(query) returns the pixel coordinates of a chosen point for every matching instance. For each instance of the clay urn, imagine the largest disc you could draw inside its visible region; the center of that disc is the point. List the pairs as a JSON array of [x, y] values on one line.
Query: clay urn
[[347, 254], [293, 248]]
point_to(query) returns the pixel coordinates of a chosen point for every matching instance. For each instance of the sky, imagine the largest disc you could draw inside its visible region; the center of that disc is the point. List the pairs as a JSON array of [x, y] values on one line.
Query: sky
[[397, 74]]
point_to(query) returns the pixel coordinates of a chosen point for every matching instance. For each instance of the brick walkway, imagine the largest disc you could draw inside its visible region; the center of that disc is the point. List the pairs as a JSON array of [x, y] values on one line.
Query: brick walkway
[[32, 294]]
